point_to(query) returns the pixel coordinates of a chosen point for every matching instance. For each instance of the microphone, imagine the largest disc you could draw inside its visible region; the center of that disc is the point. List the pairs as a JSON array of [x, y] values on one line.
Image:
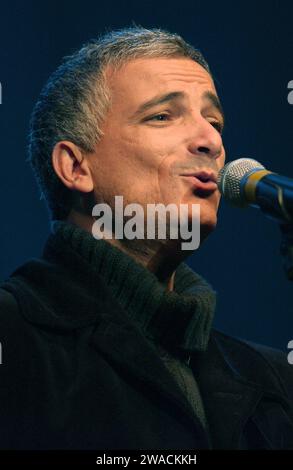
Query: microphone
[[246, 182]]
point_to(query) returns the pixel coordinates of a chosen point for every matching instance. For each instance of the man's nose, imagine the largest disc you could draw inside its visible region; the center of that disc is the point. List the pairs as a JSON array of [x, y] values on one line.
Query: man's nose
[[205, 140]]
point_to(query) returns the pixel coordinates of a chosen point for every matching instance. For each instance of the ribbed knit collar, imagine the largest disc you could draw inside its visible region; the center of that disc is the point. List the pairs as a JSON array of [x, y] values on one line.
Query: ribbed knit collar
[[180, 320]]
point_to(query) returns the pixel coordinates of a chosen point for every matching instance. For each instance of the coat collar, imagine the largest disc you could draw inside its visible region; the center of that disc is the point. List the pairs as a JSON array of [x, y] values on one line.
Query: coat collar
[[77, 273]]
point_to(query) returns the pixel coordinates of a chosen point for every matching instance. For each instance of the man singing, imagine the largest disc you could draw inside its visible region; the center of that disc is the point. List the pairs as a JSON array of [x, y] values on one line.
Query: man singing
[[108, 341]]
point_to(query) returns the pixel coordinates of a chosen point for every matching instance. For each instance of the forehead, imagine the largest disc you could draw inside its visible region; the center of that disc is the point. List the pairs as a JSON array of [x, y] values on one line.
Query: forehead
[[142, 78]]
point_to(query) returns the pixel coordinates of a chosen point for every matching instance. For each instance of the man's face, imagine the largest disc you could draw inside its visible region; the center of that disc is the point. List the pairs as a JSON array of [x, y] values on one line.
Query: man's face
[[163, 125]]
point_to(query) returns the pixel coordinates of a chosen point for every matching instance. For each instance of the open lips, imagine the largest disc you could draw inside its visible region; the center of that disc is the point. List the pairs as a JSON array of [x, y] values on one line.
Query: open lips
[[203, 181]]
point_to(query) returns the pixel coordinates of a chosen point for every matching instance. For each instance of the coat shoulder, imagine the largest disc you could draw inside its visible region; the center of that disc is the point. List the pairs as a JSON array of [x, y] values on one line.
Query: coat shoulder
[[258, 360], [278, 361]]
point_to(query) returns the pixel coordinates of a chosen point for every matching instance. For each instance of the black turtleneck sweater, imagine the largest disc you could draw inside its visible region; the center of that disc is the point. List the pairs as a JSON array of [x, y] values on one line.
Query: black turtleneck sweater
[[177, 322]]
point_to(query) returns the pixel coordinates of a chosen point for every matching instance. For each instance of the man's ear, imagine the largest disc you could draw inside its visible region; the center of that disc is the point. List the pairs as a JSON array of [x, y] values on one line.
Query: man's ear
[[71, 167]]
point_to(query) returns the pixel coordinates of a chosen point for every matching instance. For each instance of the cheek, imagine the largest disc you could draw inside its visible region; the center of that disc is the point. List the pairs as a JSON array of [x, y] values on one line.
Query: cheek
[[138, 164], [132, 172], [149, 159]]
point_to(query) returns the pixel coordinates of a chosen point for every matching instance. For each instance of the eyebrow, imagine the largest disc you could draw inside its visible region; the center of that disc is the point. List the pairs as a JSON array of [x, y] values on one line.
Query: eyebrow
[[161, 99], [167, 97]]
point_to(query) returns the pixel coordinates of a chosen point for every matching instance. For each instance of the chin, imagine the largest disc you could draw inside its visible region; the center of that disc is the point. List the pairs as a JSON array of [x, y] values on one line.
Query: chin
[[208, 211], [208, 222]]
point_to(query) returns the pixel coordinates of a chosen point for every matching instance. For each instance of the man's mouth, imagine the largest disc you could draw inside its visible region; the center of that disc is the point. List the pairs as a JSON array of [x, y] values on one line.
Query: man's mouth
[[204, 182]]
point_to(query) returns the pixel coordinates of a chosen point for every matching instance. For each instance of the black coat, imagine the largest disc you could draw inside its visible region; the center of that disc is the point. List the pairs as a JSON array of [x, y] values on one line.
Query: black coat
[[76, 373]]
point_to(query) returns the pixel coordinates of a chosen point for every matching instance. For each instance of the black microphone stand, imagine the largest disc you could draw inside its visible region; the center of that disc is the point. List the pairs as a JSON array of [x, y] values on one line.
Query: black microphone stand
[[284, 213], [286, 249]]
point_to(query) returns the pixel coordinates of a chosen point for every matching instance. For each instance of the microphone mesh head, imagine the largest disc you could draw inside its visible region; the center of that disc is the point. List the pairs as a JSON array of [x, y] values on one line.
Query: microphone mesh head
[[230, 177]]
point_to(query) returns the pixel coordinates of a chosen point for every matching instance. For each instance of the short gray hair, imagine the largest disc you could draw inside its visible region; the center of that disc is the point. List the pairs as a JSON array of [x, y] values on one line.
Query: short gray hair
[[75, 100]]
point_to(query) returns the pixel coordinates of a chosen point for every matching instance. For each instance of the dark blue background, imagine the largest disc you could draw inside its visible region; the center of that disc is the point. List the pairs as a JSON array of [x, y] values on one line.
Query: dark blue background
[[249, 48]]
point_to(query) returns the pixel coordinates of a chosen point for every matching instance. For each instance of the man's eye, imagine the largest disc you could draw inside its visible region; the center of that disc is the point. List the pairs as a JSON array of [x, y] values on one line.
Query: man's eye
[[217, 125], [159, 117]]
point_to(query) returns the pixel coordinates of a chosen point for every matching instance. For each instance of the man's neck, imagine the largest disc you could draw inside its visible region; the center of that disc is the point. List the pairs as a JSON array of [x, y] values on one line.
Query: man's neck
[[160, 258]]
